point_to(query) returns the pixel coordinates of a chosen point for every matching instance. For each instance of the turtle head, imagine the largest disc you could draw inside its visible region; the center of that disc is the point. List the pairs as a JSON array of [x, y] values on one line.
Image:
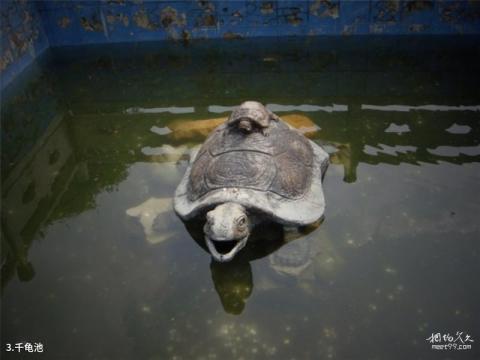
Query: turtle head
[[245, 125], [226, 230], [250, 115]]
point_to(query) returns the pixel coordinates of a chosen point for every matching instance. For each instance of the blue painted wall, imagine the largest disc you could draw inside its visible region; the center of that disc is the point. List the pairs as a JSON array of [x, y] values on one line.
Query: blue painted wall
[[22, 38], [80, 22], [29, 27]]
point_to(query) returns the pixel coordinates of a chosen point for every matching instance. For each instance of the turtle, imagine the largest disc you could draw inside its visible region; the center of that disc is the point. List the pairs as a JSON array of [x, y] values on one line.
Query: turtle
[[235, 181], [252, 116]]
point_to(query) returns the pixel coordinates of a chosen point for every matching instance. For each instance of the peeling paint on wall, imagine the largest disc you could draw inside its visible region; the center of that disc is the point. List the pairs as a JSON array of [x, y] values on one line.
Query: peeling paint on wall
[[199, 19], [419, 5], [386, 11], [142, 21], [118, 18], [174, 23], [64, 22], [91, 24], [266, 7], [22, 37], [206, 15], [25, 23], [459, 12], [325, 8]]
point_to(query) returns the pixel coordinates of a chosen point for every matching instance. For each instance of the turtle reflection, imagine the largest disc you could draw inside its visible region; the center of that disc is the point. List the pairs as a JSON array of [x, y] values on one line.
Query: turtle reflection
[[307, 258], [233, 281]]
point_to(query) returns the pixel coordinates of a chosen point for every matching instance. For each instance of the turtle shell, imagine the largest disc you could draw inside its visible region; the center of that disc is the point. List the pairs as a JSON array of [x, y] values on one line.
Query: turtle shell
[[280, 163], [261, 118]]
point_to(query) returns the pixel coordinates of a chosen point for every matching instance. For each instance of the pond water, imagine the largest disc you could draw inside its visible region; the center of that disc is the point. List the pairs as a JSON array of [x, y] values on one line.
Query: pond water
[[95, 264]]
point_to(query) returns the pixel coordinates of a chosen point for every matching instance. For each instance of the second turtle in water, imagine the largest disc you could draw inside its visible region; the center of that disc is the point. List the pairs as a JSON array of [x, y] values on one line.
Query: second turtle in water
[[237, 179]]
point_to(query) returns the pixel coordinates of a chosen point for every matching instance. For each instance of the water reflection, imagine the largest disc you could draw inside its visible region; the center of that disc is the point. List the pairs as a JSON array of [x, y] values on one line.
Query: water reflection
[[155, 216], [64, 166], [304, 254], [407, 108], [233, 283], [30, 193], [309, 257]]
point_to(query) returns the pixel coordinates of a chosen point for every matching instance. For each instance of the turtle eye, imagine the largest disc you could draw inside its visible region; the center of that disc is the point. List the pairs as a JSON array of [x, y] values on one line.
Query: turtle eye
[[242, 221]]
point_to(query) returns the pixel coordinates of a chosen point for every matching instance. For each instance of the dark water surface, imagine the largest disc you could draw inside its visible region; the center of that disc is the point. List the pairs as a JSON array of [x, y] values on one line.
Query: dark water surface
[[99, 131]]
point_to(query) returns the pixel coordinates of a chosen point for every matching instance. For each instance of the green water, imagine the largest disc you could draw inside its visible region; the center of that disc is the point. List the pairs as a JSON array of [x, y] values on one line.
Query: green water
[[395, 259]]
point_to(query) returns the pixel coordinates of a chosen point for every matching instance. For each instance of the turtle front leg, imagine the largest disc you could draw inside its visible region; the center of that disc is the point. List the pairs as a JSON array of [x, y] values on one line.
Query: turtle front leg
[[273, 116]]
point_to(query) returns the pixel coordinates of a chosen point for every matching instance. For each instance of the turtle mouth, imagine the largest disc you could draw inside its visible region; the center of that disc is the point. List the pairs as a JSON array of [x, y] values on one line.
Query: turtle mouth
[[225, 250]]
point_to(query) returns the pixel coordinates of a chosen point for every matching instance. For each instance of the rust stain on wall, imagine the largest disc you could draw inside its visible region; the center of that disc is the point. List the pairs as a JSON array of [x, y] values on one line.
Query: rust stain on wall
[[142, 20], [207, 16], [92, 24], [6, 59], [170, 17], [229, 35], [174, 24], [21, 30], [325, 8], [457, 12], [292, 16], [118, 18], [266, 7], [64, 22], [207, 20], [418, 5], [206, 6], [387, 11]]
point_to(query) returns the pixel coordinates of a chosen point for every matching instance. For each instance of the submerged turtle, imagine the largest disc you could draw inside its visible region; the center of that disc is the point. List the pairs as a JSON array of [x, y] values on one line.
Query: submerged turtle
[[236, 180], [252, 116]]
